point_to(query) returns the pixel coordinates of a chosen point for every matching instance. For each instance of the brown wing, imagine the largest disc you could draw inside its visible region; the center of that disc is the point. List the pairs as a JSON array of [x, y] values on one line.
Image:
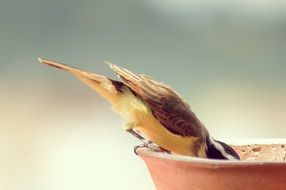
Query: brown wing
[[166, 105]]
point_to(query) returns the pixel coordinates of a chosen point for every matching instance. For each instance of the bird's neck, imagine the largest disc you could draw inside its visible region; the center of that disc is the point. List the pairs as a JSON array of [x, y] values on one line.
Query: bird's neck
[[219, 150]]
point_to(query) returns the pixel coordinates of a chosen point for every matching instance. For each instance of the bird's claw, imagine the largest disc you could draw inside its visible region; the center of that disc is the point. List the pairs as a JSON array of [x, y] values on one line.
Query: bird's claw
[[149, 145]]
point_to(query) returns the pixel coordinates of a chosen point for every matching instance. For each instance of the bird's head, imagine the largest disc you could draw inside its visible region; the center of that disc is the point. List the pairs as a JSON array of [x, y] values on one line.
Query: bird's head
[[219, 150]]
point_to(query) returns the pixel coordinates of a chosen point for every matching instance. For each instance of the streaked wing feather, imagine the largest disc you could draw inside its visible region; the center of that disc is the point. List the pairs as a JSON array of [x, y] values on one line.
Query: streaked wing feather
[[167, 106]]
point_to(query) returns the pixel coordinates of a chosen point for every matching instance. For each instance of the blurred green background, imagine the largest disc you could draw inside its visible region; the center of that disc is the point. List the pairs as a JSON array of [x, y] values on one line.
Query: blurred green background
[[227, 58]]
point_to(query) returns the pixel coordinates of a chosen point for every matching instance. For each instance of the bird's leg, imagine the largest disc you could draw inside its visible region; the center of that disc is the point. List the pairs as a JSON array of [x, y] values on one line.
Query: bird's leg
[[145, 143], [132, 132]]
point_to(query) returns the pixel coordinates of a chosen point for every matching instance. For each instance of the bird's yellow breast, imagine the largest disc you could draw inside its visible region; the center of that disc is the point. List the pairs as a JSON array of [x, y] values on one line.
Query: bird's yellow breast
[[135, 111]]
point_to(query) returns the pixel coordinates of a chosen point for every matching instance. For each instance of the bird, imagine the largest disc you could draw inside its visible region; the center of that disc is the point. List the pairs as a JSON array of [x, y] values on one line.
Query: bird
[[153, 112]]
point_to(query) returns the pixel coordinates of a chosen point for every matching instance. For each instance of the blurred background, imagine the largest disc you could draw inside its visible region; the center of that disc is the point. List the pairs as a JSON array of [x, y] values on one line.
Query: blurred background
[[227, 58]]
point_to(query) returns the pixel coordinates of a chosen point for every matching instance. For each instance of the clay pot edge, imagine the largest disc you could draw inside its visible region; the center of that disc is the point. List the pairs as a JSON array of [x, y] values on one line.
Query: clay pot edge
[[213, 163]]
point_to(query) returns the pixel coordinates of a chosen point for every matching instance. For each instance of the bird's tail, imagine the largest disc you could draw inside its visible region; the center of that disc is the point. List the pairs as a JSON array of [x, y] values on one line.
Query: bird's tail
[[107, 88]]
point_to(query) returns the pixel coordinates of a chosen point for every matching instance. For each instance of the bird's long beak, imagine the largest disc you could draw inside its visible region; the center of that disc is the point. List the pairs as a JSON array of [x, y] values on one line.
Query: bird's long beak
[[56, 64], [104, 86]]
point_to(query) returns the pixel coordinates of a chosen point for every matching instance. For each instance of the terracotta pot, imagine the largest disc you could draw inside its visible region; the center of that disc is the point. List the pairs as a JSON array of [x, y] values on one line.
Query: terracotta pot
[[265, 171]]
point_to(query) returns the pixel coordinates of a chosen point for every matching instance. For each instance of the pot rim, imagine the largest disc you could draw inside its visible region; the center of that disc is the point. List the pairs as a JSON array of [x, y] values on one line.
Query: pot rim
[[146, 152]]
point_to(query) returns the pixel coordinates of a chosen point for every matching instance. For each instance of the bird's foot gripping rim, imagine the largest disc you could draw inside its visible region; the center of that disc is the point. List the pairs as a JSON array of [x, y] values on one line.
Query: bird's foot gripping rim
[[150, 145]]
